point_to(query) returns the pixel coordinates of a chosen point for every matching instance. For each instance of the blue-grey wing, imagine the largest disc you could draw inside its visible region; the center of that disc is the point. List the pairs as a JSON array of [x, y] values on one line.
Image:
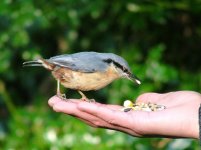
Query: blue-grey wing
[[82, 62]]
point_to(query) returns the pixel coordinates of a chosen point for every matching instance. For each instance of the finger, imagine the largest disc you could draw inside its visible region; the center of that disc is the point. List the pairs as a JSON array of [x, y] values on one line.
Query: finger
[[88, 118], [68, 107], [53, 100], [114, 117], [110, 106], [115, 107], [100, 123], [149, 97], [71, 109], [106, 125]]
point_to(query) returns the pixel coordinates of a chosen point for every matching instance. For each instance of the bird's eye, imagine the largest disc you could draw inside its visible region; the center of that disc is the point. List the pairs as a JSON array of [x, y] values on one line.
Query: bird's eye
[[116, 64], [125, 70]]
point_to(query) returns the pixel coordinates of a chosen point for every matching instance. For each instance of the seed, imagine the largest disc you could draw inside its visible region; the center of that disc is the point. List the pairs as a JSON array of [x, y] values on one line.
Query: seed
[[128, 103]]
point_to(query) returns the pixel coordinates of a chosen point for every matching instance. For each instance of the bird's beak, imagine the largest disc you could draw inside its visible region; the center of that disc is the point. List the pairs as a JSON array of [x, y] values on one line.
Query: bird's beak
[[133, 78]]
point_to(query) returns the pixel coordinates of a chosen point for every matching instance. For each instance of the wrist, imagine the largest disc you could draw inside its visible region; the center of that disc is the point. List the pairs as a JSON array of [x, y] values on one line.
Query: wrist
[[199, 123], [197, 128]]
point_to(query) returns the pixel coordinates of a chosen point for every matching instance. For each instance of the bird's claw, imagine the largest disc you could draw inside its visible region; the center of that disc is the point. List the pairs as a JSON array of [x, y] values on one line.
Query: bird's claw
[[62, 96], [88, 100]]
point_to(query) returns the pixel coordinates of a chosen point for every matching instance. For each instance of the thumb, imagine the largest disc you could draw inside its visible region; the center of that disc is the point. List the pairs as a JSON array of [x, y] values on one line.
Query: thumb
[[148, 97]]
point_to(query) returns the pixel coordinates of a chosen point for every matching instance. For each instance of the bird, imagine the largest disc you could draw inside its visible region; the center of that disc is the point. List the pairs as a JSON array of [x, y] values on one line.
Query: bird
[[85, 71]]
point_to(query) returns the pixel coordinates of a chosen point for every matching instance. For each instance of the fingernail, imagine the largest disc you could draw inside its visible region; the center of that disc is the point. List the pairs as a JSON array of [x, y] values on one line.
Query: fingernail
[[53, 100]]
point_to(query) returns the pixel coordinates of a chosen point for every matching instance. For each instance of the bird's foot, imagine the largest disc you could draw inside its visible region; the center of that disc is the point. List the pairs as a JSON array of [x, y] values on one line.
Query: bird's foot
[[88, 100], [128, 105], [62, 96], [92, 100], [84, 98]]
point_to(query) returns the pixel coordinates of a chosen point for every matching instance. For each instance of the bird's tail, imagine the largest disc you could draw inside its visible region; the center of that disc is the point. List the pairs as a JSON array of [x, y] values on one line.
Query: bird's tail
[[32, 63], [40, 62]]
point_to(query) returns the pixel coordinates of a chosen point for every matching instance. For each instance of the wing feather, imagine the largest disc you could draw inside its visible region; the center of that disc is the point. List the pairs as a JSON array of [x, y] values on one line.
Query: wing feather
[[83, 62]]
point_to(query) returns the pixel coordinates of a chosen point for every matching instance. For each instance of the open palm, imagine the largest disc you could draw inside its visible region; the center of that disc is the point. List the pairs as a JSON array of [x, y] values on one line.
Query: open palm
[[179, 119]]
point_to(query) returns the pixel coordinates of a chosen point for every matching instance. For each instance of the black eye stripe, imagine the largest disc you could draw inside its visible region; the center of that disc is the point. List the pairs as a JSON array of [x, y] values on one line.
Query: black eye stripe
[[117, 64]]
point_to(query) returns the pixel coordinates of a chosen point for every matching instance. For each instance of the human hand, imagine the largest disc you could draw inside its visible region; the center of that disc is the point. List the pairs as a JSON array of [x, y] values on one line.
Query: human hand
[[179, 119]]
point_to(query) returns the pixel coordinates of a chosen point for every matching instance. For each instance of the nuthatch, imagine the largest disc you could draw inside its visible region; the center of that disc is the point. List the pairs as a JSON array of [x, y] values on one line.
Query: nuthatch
[[85, 71]]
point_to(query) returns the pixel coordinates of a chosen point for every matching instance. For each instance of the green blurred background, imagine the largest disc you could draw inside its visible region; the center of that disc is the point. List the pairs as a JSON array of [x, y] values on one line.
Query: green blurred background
[[160, 39]]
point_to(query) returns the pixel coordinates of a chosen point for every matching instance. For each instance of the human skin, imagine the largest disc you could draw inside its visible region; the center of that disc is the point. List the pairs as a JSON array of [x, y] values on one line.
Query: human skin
[[178, 120]]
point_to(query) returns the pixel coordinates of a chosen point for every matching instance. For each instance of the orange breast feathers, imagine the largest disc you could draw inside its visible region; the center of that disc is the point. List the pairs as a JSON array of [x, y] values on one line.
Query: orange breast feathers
[[85, 81]]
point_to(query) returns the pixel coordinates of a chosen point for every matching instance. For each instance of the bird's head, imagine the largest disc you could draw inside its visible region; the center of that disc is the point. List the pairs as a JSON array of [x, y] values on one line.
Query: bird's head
[[121, 67]]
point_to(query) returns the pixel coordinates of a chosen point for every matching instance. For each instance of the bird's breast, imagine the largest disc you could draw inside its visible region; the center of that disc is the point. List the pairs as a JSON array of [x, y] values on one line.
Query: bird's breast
[[84, 81]]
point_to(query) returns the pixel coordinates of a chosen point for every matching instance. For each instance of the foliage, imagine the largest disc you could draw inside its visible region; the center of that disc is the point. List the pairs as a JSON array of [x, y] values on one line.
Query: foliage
[[159, 39]]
